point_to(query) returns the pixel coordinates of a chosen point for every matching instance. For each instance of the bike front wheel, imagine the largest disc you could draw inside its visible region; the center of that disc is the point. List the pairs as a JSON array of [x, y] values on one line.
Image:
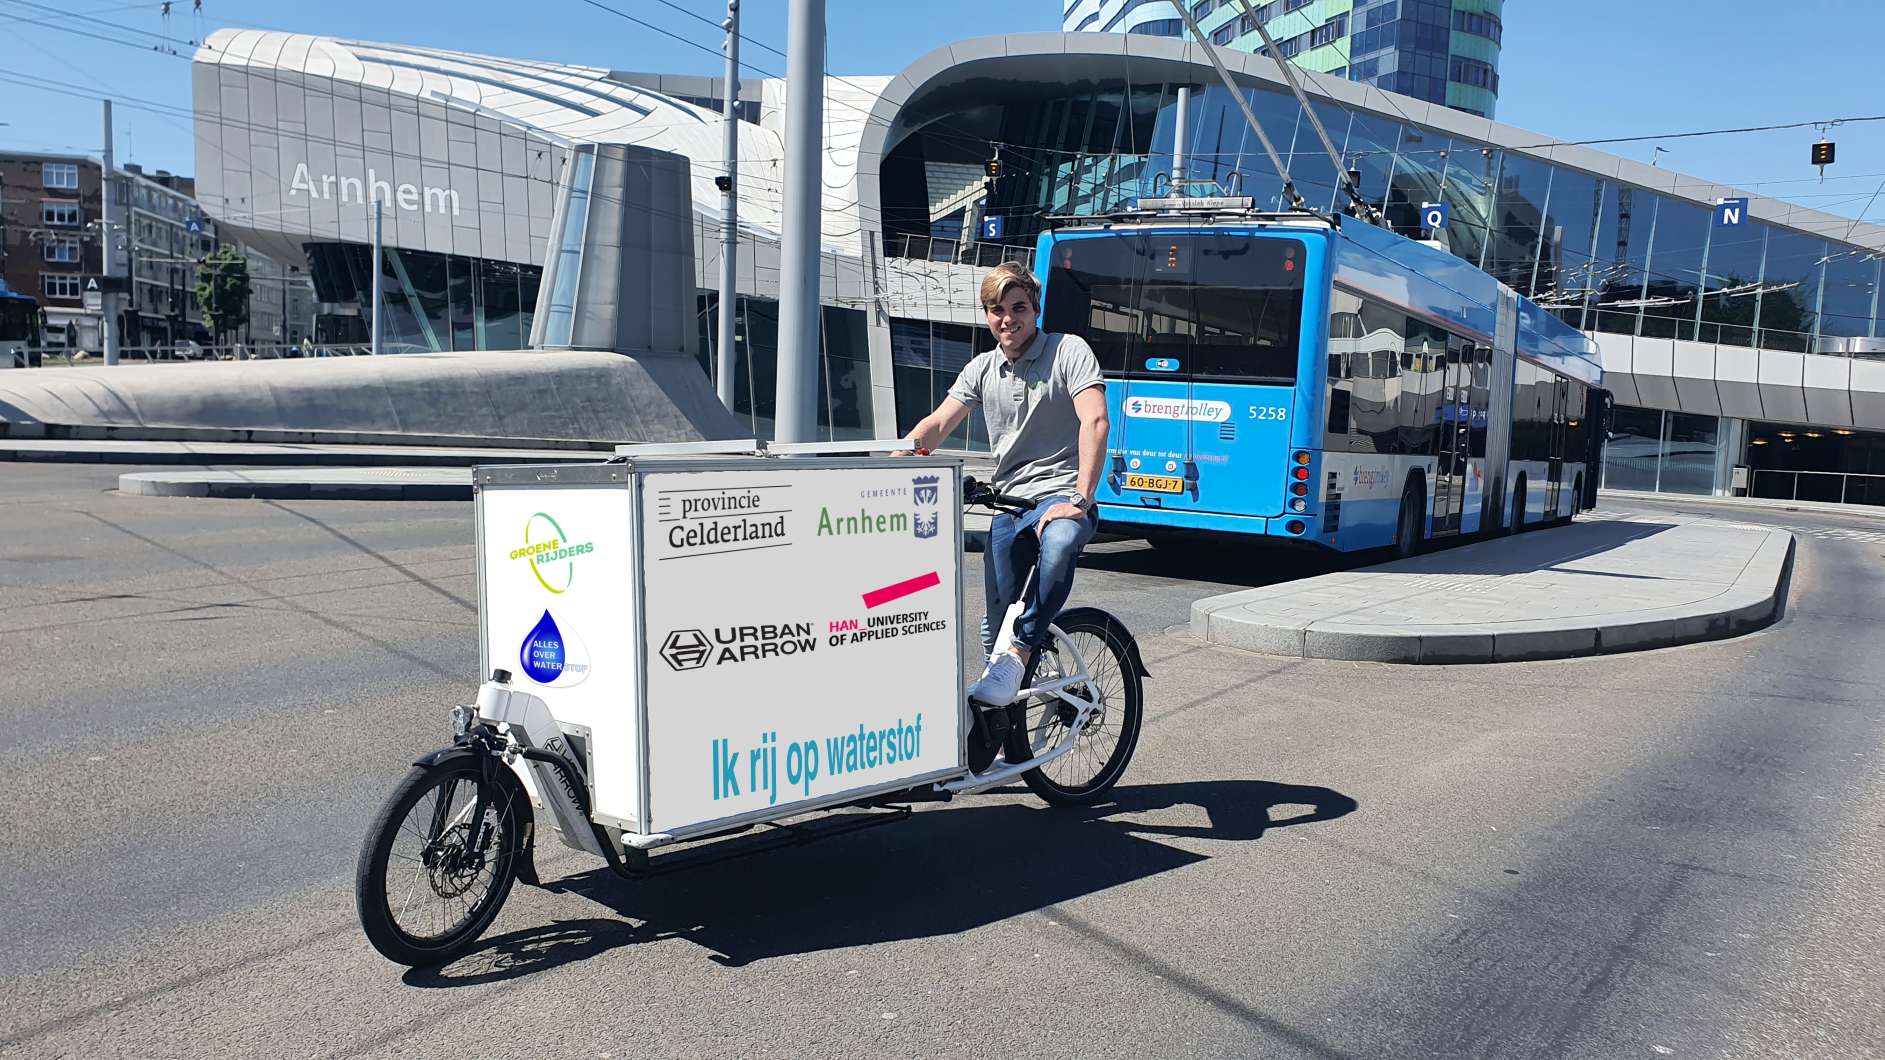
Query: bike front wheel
[[1104, 745], [439, 859]]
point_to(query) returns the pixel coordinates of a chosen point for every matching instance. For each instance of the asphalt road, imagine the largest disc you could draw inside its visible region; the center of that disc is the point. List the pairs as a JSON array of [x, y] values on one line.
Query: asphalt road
[[1678, 853]]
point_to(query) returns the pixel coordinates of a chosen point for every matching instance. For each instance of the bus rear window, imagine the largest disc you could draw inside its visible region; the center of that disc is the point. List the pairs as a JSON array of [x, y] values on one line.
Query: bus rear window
[[1202, 305]]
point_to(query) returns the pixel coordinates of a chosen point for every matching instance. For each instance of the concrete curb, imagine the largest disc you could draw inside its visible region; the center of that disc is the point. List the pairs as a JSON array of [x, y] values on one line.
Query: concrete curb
[[234, 486], [1750, 603], [264, 454]]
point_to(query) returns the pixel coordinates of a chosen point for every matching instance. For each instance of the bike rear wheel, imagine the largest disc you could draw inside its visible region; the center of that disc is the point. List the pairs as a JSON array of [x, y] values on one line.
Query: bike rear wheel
[[1104, 746], [433, 871]]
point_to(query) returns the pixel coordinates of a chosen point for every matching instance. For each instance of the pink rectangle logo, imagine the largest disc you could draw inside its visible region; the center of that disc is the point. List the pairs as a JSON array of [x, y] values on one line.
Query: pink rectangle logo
[[901, 589]]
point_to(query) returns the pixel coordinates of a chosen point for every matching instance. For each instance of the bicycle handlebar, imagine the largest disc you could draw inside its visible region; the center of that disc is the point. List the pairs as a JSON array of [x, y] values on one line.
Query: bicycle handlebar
[[981, 493]]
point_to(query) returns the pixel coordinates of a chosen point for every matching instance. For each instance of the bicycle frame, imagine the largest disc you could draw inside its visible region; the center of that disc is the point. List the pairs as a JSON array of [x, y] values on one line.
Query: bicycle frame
[[1084, 711], [1084, 708]]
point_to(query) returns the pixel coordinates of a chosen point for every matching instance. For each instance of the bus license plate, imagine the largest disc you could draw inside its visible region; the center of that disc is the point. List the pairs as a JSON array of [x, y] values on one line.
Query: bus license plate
[[1155, 483]]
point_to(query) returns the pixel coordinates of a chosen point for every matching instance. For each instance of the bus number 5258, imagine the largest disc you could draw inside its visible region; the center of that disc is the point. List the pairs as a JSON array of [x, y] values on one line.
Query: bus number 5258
[[1269, 412]]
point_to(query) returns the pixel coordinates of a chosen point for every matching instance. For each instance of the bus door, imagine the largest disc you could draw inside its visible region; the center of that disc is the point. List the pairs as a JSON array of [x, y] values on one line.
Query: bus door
[[1554, 471], [1478, 426], [1453, 449]]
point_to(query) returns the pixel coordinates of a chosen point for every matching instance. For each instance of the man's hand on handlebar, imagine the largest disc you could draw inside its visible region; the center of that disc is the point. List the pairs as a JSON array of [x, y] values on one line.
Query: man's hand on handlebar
[[1063, 510]]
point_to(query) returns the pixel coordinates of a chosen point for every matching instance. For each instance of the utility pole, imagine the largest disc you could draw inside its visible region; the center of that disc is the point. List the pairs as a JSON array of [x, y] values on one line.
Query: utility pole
[[379, 272], [108, 222], [1181, 143], [795, 402], [729, 211]]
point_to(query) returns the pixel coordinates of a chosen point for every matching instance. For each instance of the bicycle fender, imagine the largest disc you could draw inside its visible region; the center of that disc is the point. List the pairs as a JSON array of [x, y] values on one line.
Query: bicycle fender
[[426, 761], [527, 856], [1106, 618]]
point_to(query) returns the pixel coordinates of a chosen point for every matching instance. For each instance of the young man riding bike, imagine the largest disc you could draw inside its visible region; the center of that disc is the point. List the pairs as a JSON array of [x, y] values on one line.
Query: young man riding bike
[[1045, 405]]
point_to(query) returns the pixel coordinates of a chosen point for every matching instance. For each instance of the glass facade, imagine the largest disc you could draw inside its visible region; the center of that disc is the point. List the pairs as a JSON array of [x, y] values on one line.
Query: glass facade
[[433, 302], [1602, 255], [1654, 451], [844, 387], [926, 357], [1442, 51]]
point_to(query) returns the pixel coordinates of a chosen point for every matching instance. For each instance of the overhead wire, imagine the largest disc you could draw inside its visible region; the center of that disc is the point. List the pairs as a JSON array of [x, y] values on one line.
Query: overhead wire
[[163, 47]]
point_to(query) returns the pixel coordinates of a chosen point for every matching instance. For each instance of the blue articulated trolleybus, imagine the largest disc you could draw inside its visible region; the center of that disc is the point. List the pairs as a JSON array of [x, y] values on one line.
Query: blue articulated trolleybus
[[1323, 380]]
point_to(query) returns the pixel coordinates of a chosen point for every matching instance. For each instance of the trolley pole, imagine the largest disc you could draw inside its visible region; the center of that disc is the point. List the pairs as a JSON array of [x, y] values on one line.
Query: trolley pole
[[108, 221], [379, 273], [728, 361], [795, 399]]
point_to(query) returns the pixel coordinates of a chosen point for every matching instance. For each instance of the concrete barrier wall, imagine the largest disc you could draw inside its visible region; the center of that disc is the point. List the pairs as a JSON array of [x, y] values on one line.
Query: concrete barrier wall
[[1744, 383], [504, 397]]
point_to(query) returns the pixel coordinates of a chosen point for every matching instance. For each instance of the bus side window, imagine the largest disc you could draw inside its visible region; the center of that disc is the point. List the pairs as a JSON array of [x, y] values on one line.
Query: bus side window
[[1373, 376], [1423, 384], [1345, 361], [1574, 430], [1529, 436]]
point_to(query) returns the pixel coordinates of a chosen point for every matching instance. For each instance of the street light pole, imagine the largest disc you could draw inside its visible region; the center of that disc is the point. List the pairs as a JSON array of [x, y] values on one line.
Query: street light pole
[[795, 400], [1181, 143], [379, 273], [108, 222], [729, 211]]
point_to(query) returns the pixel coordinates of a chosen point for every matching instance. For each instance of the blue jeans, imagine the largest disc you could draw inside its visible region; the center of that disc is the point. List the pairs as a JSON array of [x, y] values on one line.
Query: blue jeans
[[1013, 548]]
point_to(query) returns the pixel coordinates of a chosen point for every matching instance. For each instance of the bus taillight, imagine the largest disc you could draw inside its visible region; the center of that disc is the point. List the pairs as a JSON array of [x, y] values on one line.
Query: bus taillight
[[1299, 480]]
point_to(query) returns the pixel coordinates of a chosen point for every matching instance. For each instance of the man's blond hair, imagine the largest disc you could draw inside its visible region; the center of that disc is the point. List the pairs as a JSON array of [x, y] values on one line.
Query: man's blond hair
[[1005, 277]]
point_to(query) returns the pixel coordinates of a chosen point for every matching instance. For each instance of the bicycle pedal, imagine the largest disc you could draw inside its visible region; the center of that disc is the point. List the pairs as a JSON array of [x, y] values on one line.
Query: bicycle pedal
[[987, 736]]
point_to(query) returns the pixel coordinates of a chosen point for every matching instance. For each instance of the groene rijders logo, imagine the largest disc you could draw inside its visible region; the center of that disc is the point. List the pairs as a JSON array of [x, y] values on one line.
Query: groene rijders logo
[[928, 511], [550, 553]]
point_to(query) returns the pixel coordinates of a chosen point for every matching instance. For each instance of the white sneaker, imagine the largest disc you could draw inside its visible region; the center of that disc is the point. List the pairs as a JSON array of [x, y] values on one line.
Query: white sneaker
[[1001, 684]]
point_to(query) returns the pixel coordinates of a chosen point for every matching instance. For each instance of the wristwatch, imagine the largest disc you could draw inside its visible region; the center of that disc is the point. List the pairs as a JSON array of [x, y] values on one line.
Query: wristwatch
[[1085, 504]]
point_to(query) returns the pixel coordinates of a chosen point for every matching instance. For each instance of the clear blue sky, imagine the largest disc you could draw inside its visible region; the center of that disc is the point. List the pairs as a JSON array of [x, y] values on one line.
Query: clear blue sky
[[1577, 71]]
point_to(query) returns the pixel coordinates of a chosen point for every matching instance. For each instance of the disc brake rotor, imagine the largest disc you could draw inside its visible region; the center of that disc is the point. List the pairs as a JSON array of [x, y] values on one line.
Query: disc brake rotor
[[454, 866]]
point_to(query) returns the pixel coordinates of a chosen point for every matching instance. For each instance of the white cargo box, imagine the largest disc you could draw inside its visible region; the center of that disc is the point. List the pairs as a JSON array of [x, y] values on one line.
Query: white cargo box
[[738, 638]]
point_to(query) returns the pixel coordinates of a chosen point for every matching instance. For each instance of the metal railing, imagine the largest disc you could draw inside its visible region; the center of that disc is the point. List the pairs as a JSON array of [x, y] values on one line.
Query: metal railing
[[64, 356], [1828, 486], [955, 252]]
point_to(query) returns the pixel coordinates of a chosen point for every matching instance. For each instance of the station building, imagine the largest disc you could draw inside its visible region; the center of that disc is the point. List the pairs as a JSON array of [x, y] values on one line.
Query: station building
[[1753, 345]]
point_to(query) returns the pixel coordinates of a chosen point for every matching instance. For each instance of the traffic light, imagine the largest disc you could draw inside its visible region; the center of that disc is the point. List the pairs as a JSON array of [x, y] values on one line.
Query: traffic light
[[1822, 154], [992, 167]]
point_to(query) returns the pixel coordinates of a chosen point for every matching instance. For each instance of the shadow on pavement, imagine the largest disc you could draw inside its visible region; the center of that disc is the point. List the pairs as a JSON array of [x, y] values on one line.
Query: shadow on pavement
[[1249, 563], [1259, 563], [941, 872], [1542, 549]]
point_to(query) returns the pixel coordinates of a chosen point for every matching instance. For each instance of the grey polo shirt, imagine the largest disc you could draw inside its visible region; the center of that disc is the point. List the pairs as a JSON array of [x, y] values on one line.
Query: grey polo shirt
[[1028, 403]]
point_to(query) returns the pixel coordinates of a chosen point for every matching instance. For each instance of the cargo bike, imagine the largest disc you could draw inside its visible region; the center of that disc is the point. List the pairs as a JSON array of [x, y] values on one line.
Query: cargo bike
[[694, 641]]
